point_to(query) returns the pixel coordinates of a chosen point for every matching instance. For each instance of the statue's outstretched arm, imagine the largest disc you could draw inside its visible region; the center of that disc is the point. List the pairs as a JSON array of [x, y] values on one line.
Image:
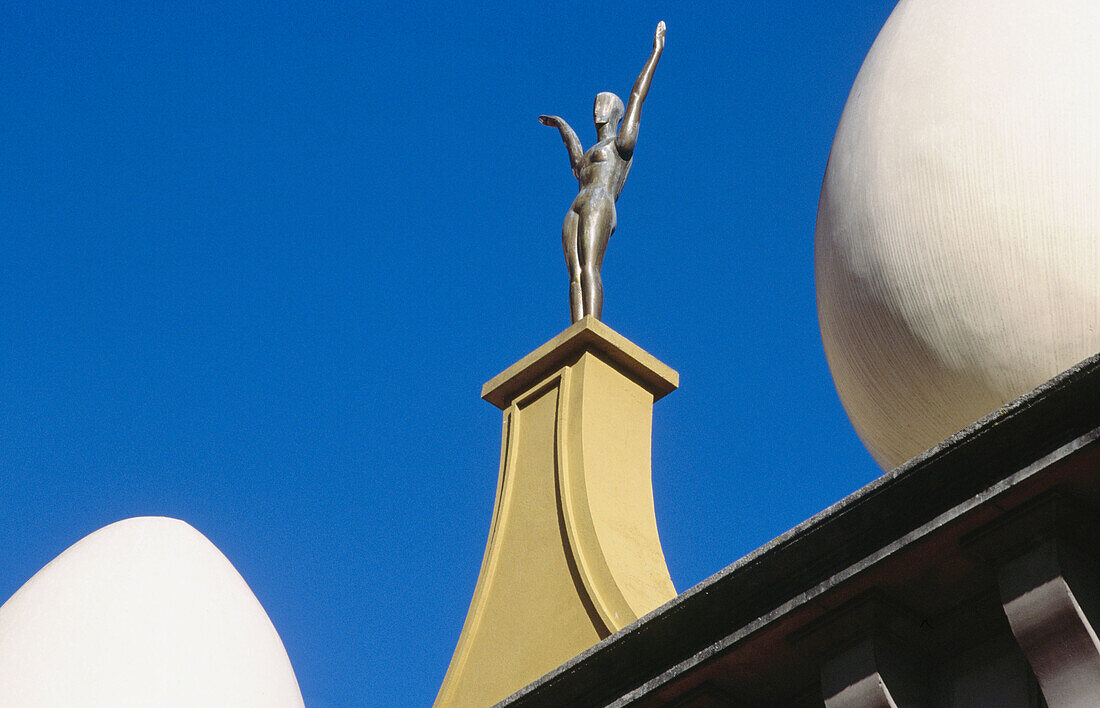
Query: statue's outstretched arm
[[628, 133], [569, 137]]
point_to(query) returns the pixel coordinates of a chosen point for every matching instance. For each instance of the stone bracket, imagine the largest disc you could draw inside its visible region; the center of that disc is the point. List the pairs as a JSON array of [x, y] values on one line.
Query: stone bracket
[[1049, 590], [867, 662], [1045, 592], [874, 673]]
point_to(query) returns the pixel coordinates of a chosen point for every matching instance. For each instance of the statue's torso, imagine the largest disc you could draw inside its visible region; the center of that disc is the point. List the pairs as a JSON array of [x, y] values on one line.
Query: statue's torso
[[603, 167]]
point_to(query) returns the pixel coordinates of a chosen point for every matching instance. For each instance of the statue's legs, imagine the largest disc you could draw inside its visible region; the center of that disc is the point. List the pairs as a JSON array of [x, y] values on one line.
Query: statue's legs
[[595, 226], [573, 264]]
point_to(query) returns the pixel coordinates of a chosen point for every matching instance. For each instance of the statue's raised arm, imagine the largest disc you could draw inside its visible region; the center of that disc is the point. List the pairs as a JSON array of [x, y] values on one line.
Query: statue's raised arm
[[628, 133], [569, 137]]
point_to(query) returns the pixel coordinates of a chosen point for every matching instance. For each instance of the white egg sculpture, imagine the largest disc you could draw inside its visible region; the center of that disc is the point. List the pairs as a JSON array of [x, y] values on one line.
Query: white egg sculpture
[[144, 612], [957, 252]]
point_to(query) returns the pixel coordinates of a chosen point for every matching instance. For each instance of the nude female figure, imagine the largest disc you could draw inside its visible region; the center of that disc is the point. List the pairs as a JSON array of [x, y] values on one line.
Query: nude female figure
[[601, 173]]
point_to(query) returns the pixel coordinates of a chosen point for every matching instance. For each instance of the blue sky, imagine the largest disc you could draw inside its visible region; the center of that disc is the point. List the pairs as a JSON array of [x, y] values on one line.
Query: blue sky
[[258, 258]]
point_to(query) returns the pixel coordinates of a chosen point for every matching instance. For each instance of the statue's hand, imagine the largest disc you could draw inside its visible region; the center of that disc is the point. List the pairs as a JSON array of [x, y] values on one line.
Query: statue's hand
[[552, 121], [659, 37]]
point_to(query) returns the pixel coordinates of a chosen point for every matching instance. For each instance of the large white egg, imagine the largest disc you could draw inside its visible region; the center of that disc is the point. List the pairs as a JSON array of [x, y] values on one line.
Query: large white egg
[[958, 235], [144, 612]]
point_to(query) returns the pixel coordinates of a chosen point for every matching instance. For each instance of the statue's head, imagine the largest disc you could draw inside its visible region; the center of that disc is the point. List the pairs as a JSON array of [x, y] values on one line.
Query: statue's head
[[607, 109]]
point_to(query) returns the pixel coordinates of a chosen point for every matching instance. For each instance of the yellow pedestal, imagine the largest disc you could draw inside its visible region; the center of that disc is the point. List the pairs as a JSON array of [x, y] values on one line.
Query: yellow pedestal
[[573, 553]]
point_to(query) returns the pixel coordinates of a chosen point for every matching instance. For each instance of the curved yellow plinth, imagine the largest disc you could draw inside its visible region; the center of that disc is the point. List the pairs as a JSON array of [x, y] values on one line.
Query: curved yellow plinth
[[573, 553]]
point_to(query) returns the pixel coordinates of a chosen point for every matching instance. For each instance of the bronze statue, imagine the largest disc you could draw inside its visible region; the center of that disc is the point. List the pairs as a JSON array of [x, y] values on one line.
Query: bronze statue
[[601, 173]]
